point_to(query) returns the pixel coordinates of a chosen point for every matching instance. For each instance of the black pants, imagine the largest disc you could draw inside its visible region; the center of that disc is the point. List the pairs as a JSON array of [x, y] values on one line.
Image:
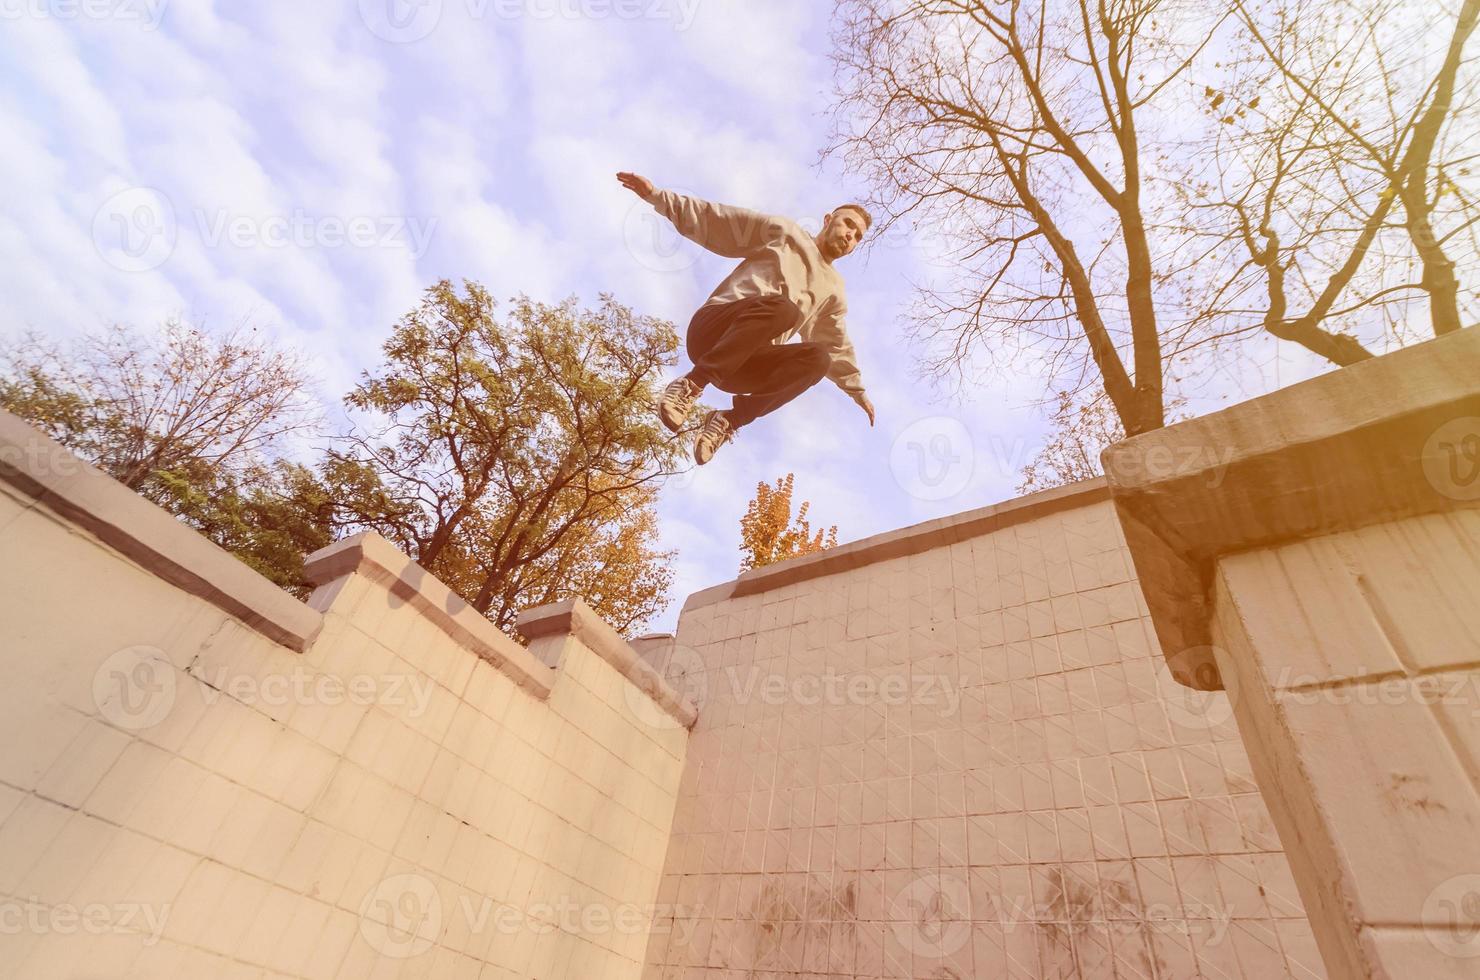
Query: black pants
[[730, 345]]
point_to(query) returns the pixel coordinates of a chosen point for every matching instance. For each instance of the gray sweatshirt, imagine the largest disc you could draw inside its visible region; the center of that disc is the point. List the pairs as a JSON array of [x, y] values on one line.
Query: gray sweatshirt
[[778, 256]]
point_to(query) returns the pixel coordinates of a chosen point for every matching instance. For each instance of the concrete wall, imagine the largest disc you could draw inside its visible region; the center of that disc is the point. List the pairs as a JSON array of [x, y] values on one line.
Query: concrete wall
[[956, 751], [203, 777], [1352, 659], [1326, 574]]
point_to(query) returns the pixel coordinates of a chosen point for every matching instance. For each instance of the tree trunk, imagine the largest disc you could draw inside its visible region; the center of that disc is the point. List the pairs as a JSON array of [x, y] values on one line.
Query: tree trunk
[[1412, 182]]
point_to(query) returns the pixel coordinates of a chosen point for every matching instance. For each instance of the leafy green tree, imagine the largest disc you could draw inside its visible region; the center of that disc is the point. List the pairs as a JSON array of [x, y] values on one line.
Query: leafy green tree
[[192, 420], [518, 458], [270, 515], [180, 400]]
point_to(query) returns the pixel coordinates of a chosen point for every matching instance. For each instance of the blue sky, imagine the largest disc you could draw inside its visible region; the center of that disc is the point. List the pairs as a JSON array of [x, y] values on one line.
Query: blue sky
[[310, 167]]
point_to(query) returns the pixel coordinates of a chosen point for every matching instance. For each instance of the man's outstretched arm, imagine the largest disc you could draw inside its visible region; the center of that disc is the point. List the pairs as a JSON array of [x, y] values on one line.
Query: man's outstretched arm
[[722, 228], [842, 368]]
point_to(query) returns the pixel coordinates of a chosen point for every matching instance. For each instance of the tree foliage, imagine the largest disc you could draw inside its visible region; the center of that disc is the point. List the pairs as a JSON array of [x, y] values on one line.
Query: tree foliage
[[142, 406], [1080, 432], [270, 515], [768, 534], [517, 458], [191, 420]]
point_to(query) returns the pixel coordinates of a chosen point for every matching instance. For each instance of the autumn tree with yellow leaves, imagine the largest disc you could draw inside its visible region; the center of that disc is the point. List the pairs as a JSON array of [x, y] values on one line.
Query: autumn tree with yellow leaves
[[516, 456], [768, 534]]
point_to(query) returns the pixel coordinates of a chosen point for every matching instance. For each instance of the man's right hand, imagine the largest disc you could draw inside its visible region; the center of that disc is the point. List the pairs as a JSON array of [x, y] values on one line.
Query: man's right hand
[[636, 183]]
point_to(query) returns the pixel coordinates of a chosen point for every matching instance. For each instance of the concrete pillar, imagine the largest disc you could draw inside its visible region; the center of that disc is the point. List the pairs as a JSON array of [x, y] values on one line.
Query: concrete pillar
[[1316, 554]]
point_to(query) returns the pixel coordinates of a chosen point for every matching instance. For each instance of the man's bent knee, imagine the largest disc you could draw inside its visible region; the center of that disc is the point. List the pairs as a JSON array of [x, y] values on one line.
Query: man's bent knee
[[816, 358], [777, 304]]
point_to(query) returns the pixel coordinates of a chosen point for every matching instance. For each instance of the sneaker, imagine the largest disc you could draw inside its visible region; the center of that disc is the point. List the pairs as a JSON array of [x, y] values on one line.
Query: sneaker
[[715, 433], [677, 402]]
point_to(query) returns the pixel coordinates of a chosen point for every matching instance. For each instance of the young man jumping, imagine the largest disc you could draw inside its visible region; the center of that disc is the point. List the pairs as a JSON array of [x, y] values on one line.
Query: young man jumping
[[785, 285]]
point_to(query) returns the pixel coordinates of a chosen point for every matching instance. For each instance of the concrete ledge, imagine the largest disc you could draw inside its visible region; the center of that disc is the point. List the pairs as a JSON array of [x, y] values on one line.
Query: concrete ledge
[[572, 617], [906, 541], [80, 494], [1362, 445], [373, 556]]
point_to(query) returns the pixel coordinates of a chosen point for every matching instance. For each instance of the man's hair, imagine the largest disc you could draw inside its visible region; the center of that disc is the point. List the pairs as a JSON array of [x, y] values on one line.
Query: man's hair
[[867, 218]]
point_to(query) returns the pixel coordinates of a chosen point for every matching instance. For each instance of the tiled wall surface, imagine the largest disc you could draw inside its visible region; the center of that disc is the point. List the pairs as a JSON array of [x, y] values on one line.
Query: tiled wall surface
[[969, 762], [1355, 653], [182, 798]]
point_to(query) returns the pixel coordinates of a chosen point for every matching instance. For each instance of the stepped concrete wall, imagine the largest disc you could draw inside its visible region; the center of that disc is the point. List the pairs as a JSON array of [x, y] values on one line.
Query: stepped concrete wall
[[204, 777]]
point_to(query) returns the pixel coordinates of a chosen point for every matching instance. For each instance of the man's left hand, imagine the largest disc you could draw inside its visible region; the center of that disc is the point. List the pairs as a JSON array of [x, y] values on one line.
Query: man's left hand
[[868, 407]]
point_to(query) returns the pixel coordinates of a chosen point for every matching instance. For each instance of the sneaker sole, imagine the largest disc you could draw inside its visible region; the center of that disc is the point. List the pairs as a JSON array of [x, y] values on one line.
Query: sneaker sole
[[672, 425]]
